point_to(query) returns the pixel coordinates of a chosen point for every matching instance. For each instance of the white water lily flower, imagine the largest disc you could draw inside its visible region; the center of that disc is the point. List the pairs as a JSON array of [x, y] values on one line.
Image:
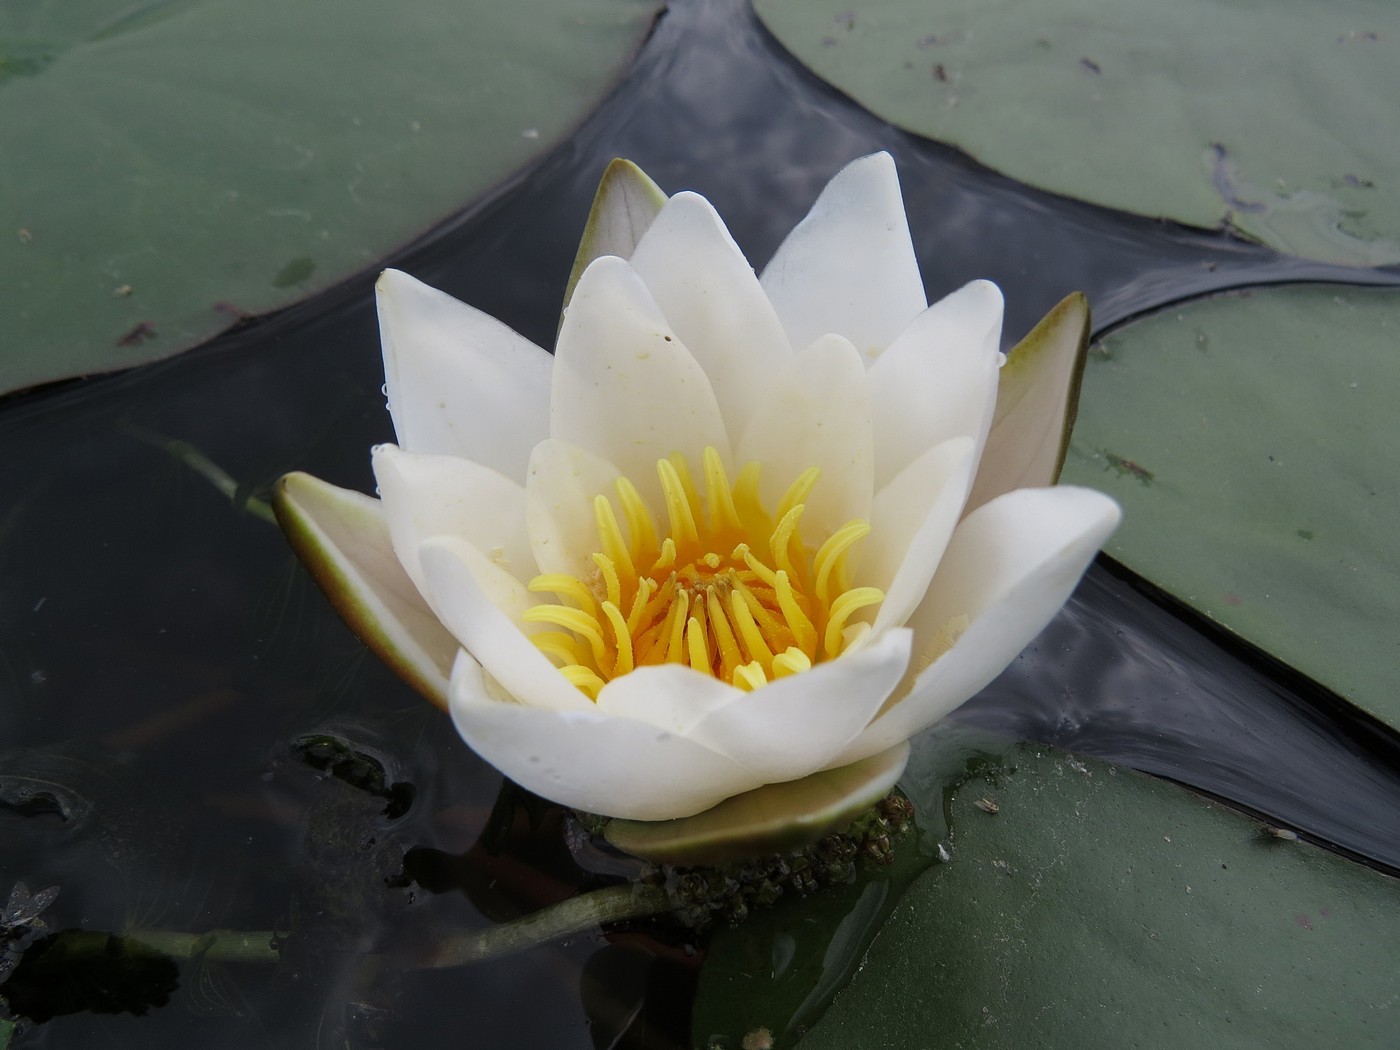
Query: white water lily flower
[[723, 537]]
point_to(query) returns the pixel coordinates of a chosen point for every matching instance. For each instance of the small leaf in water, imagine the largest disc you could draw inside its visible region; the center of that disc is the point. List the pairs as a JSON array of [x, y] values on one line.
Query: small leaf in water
[[333, 754]]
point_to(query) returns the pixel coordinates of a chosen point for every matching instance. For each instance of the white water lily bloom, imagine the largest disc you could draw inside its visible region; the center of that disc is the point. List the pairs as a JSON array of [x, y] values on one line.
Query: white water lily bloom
[[722, 537]]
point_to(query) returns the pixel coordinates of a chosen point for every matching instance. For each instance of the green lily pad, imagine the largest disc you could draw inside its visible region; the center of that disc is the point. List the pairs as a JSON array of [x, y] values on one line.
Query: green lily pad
[[1100, 908], [781, 966], [1253, 442], [1260, 115], [170, 167], [780, 969]]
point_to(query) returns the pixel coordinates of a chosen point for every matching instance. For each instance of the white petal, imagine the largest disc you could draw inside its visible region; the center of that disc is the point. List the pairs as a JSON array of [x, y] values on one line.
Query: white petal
[[427, 495], [712, 299], [782, 731], [485, 620], [816, 413], [1037, 399], [625, 386], [913, 519], [796, 725], [342, 538], [559, 493], [938, 379], [670, 696], [591, 760], [1010, 566], [849, 266], [460, 382]]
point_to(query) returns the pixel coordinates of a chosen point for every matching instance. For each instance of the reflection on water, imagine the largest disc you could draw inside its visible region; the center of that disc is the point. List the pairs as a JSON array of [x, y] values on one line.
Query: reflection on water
[[161, 652]]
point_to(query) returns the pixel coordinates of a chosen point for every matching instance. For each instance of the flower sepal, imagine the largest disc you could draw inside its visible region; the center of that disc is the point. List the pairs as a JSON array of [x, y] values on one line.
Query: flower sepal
[[772, 819], [341, 537], [1037, 401], [626, 204]]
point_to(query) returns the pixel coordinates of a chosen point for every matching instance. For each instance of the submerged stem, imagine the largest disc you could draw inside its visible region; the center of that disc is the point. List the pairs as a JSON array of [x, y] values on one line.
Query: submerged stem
[[221, 945], [197, 461], [574, 915]]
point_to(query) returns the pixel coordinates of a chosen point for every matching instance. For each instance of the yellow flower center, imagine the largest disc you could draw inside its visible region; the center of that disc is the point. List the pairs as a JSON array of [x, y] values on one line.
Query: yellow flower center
[[729, 590]]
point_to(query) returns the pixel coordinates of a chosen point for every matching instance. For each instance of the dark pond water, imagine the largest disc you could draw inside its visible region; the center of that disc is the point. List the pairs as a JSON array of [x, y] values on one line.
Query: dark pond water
[[163, 659]]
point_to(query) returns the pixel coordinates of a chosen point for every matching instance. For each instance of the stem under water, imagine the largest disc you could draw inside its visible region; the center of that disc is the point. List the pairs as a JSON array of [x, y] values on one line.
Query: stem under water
[[584, 912], [575, 915], [197, 461], [220, 945]]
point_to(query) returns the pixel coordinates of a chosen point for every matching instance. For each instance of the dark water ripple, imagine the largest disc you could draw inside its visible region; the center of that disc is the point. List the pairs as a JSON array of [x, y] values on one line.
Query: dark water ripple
[[1128, 675]]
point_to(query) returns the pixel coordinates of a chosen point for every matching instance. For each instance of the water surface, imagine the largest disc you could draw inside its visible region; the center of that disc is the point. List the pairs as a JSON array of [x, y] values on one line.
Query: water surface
[[161, 652]]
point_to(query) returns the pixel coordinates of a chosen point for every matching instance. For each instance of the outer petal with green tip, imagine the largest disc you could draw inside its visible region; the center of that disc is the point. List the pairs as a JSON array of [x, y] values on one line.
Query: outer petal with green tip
[[623, 209], [342, 537], [1037, 399]]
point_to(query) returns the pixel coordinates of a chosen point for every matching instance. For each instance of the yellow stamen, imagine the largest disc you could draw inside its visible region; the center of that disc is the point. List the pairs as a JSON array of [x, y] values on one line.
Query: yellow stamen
[[725, 641], [841, 609], [645, 650], [770, 627], [667, 558], [559, 644], [748, 504], [614, 549], [754, 643], [798, 491], [641, 530], [678, 505], [692, 497], [763, 572], [699, 595], [750, 677], [585, 679], [831, 558], [611, 583], [647, 588], [782, 539], [675, 630], [575, 620], [724, 517], [797, 622], [696, 649], [792, 661], [565, 587], [622, 637]]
